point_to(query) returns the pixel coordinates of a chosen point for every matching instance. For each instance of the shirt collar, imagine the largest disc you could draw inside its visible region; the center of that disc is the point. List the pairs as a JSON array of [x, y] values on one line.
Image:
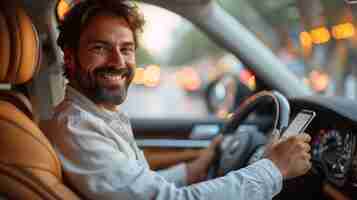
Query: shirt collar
[[79, 99]]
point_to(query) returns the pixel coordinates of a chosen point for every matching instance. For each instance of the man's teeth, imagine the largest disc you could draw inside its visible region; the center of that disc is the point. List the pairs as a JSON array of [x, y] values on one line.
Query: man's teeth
[[113, 77]]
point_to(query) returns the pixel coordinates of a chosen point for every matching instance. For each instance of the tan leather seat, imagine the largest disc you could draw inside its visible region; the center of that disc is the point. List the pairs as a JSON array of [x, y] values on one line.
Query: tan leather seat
[[29, 167]]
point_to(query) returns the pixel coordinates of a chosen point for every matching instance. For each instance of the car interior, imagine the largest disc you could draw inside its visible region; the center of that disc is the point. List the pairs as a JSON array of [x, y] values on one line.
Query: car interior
[[31, 81]]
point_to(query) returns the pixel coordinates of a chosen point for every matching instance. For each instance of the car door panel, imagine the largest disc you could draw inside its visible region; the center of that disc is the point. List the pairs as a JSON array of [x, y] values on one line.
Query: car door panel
[[167, 142]]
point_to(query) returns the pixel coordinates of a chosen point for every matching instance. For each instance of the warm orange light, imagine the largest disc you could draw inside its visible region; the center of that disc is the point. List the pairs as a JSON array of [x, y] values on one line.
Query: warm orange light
[[252, 83], [319, 80], [343, 31], [139, 76], [320, 35], [189, 79], [62, 8], [305, 39], [245, 75], [152, 76], [248, 78], [222, 113]]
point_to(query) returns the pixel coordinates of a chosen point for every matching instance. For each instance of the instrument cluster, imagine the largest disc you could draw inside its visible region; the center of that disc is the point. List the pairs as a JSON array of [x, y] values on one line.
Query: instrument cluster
[[333, 154]]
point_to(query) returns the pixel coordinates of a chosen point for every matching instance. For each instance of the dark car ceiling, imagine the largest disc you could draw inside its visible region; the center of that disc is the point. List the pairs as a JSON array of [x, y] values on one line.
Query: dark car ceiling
[[37, 6]]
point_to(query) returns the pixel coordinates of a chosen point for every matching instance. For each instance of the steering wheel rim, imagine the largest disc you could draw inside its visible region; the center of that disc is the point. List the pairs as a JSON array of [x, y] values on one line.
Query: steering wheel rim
[[281, 118], [281, 114]]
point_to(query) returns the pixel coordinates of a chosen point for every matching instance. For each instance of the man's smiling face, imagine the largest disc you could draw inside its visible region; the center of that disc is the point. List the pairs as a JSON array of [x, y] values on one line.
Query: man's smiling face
[[105, 59]]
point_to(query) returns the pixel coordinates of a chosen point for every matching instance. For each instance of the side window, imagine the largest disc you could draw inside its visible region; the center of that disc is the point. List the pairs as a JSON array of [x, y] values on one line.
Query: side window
[[176, 63]]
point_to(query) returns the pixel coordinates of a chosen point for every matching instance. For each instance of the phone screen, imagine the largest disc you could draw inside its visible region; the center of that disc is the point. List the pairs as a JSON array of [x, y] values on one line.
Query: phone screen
[[300, 123]]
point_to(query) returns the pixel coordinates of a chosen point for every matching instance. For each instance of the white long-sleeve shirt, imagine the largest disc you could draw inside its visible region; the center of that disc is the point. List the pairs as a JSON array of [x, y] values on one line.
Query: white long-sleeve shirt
[[102, 161]]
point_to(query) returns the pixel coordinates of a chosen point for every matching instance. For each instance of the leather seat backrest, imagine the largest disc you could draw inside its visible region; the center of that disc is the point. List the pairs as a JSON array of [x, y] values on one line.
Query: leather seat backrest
[[29, 167]]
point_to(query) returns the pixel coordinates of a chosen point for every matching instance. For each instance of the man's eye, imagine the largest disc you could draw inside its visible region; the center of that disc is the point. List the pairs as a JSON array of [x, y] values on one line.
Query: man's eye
[[127, 50], [98, 49]]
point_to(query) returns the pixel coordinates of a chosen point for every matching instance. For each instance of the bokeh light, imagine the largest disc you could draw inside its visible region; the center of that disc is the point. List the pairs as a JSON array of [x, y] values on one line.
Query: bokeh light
[[320, 35], [189, 79], [343, 31], [62, 8]]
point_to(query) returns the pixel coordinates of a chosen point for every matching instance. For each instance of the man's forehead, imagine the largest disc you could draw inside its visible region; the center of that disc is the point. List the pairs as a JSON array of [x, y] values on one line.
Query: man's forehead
[[107, 26]]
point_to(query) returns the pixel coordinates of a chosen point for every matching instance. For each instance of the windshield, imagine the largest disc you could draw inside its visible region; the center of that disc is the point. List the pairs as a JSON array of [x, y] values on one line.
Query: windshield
[[315, 39], [176, 65]]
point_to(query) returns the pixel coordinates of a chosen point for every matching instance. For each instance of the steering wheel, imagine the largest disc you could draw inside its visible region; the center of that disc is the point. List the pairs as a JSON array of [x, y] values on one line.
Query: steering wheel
[[238, 146]]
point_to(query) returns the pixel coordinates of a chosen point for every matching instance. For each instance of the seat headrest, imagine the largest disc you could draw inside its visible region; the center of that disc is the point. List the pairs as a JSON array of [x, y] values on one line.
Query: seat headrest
[[20, 101], [19, 44]]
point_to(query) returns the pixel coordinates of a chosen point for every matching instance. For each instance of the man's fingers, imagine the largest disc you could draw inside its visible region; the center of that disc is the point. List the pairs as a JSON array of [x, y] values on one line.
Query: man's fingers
[[304, 137], [307, 147], [303, 146], [309, 164], [306, 156]]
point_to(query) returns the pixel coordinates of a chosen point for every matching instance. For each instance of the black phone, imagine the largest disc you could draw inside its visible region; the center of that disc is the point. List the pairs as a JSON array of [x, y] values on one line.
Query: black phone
[[300, 123]]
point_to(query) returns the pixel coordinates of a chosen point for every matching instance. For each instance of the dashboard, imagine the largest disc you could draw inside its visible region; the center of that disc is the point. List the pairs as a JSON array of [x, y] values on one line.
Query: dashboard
[[334, 140]]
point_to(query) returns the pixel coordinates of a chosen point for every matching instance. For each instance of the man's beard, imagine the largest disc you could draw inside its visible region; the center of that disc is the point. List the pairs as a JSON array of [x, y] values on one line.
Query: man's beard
[[101, 94], [114, 96]]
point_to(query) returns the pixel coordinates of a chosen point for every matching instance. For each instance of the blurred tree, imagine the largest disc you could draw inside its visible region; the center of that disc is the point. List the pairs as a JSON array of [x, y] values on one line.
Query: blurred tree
[[193, 45], [252, 18], [331, 56], [279, 22], [143, 57]]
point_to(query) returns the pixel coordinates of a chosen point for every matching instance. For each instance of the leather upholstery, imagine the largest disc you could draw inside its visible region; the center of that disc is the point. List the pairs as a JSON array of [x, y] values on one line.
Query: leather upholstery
[[20, 49], [29, 167], [4, 47], [19, 100]]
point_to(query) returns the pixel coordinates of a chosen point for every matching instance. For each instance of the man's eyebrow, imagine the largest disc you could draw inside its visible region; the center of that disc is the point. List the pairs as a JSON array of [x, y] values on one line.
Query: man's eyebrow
[[109, 44], [128, 44], [99, 42]]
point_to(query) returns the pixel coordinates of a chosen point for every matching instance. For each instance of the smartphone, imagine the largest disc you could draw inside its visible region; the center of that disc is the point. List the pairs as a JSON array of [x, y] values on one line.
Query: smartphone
[[300, 123]]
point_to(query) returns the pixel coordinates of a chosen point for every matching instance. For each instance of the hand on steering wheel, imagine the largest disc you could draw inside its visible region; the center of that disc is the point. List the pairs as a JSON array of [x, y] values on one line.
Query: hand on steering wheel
[[238, 146], [289, 154]]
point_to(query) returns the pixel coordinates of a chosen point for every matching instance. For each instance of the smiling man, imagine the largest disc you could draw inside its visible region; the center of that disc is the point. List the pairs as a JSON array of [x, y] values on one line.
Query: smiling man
[[105, 60], [94, 139]]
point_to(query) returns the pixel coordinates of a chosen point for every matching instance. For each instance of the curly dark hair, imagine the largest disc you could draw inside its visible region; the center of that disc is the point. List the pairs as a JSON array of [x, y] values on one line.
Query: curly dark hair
[[78, 17]]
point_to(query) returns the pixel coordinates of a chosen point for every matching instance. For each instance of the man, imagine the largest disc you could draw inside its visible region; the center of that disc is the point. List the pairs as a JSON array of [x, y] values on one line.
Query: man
[[94, 140]]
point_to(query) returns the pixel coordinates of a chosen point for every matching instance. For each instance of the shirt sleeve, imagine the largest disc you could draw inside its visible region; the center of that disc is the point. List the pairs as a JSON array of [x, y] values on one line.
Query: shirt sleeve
[[176, 174], [98, 169]]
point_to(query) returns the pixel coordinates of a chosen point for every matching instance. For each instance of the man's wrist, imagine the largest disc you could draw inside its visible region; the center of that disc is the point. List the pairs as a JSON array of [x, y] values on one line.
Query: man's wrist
[[282, 170]]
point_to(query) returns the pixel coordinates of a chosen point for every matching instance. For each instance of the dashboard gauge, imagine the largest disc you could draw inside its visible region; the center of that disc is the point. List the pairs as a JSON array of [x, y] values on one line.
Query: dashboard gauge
[[333, 150], [354, 172], [354, 165]]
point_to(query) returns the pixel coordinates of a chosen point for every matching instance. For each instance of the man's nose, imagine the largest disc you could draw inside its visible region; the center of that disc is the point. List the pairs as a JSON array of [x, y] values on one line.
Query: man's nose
[[117, 58]]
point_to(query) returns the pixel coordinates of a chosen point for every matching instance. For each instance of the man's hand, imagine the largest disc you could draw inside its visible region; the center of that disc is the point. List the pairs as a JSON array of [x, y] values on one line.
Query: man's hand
[[197, 170], [291, 155]]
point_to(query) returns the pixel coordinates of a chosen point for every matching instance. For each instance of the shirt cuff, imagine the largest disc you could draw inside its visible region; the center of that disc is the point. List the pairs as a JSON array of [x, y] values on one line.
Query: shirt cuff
[[271, 174]]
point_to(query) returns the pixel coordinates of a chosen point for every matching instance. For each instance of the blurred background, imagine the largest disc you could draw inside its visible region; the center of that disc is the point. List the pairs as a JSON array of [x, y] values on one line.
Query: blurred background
[[177, 64]]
